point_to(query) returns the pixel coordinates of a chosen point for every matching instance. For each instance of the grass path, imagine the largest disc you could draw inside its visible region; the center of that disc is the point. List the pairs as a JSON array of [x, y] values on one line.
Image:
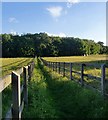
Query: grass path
[[41, 104], [52, 96]]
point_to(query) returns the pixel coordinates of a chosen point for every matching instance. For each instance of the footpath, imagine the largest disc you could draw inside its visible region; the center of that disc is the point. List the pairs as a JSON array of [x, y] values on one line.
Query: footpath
[[52, 96]]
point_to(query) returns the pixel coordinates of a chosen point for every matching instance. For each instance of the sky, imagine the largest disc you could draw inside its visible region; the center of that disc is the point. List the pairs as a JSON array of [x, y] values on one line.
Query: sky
[[86, 20]]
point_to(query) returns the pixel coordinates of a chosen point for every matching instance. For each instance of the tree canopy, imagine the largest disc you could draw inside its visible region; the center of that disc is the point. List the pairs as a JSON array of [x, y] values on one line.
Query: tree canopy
[[40, 44]]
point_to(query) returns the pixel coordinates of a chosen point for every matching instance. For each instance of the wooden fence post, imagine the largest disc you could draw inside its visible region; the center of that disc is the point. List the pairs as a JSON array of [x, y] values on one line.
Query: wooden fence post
[[29, 72], [25, 75], [56, 66], [31, 67], [16, 96], [64, 69], [59, 67], [50, 64], [53, 66], [82, 74], [70, 71], [103, 79]]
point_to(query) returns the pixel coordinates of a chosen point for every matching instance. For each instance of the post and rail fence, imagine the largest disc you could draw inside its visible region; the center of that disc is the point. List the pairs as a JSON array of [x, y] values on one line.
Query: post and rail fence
[[64, 67], [19, 91]]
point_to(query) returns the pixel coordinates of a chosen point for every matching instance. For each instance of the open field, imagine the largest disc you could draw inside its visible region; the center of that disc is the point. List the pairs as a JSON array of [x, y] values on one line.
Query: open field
[[97, 60], [91, 58], [9, 64]]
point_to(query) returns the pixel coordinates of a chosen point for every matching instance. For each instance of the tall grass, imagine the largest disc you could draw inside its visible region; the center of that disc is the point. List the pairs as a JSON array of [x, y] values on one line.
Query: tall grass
[[52, 96]]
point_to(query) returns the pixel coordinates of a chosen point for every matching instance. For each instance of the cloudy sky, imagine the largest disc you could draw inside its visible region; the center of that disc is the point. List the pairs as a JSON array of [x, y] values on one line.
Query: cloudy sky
[[77, 19]]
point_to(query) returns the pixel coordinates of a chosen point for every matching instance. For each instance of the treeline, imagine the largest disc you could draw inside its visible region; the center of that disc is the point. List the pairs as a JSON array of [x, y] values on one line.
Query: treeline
[[30, 45]]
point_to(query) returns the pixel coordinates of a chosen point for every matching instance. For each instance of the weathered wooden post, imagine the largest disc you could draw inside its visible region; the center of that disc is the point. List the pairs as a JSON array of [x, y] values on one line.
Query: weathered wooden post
[[25, 75], [16, 96], [82, 74], [29, 72], [103, 79], [56, 66], [50, 64], [63, 69], [59, 67], [32, 67], [53, 66], [70, 71]]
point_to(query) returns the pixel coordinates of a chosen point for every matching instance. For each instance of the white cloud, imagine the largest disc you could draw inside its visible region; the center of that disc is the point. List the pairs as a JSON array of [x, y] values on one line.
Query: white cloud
[[60, 34], [55, 11], [70, 2], [13, 20], [13, 32]]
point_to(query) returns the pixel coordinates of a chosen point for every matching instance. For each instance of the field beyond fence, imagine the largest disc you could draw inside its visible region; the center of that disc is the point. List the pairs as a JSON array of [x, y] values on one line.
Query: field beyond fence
[[89, 71]]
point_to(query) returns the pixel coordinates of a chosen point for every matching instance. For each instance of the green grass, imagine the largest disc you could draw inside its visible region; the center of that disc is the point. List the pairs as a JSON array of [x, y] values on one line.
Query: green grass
[[92, 70], [10, 64], [52, 96], [79, 59]]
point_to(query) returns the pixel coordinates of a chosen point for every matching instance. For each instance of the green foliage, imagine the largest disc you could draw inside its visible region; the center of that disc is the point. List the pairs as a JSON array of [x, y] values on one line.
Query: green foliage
[[29, 45]]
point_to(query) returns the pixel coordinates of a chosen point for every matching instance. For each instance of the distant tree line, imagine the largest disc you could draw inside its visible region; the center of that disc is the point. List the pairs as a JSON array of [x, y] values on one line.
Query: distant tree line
[[30, 45]]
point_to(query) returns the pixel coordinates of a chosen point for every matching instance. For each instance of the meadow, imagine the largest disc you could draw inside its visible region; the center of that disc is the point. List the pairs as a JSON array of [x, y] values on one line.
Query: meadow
[[9, 64], [74, 59], [95, 69]]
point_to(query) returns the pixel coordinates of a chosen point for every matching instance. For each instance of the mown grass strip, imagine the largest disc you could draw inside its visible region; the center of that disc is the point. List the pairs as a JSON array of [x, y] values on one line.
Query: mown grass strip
[[16, 65], [52, 96], [41, 104]]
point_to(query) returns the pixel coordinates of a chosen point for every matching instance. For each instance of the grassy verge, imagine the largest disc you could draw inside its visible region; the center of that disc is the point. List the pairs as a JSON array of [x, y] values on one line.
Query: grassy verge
[[51, 96]]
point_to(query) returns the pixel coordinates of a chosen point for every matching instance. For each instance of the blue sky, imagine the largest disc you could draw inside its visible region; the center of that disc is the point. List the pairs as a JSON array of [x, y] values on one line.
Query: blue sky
[[80, 19]]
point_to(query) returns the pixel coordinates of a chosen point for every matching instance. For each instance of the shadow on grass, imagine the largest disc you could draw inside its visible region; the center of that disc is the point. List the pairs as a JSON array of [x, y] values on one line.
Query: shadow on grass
[[71, 100], [40, 103]]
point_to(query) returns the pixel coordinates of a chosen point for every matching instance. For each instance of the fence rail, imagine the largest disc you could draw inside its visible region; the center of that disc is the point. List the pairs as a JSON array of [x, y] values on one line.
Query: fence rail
[[63, 67], [18, 99]]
